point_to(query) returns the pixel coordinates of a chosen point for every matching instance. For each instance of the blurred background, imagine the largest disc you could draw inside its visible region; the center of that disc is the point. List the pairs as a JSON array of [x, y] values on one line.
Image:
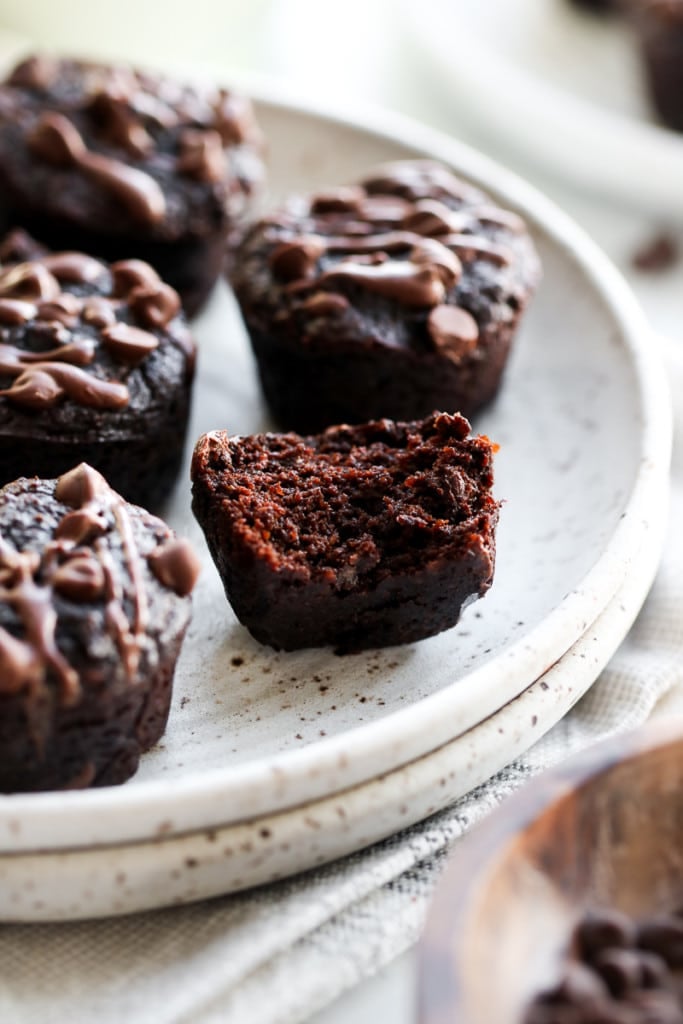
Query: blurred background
[[544, 86]]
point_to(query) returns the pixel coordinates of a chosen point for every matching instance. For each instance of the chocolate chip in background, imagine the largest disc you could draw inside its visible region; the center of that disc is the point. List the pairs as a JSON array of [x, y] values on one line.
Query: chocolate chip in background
[[621, 970], [453, 331], [663, 935], [604, 929], [657, 254]]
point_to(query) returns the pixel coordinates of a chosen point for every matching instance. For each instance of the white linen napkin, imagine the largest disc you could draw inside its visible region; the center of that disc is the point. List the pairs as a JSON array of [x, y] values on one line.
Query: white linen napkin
[[277, 954]]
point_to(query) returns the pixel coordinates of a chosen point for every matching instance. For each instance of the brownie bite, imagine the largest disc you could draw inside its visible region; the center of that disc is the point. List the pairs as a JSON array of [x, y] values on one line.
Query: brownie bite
[[120, 163], [395, 297], [359, 537], [96, 365], [93, 609]]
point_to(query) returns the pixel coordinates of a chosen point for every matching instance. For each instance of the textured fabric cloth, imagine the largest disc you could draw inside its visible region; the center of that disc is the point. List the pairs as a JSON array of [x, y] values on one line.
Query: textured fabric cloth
[[232, 960]]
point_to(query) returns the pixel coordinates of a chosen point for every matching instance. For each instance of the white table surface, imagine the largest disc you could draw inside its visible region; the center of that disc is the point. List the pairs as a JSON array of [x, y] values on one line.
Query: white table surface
[[361, 52]]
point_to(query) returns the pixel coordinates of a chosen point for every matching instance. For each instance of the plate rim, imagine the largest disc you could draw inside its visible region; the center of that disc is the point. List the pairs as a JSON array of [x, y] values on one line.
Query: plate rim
[[557, 686], [138, 811]]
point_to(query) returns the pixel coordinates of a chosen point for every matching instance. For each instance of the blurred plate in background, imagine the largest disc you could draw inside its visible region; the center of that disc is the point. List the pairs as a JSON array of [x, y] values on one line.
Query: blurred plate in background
[[564, 89]]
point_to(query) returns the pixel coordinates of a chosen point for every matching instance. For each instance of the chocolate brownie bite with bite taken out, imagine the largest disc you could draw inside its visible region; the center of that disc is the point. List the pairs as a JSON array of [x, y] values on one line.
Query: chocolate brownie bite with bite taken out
[[363, 536], [120, 163], [394, 297], [93, 609], [96, 365]]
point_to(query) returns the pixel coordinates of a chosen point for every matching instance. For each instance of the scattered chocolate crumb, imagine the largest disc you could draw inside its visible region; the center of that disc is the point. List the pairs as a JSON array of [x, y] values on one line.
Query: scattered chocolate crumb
[[656, 255]]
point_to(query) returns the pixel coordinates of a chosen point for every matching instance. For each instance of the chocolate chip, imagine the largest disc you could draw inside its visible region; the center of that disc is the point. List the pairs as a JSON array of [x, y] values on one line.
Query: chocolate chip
[[155, 305], [653, 969], [98, 311], [29, 281], [620, 969], [642, 989], [80, 578], [325, 303], [55, 140], [202, 155], [605, 929], [80, 485], [129, 274], [81, 525], [453, 331], [175, 564], [430, 252], [19, 247], [75, 267], [431, 217], [118, 123], [291, 261], [19, 664], [346, 199], [579, 984], [33, 389], [14, 312], [129, 344], [663, 935], [234, 119], [63, 310], [36, 72]]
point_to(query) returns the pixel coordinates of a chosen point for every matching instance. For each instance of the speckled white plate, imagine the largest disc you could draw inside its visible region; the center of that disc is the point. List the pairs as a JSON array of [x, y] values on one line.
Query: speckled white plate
[[558, 85], [584, 428], [96, 882]]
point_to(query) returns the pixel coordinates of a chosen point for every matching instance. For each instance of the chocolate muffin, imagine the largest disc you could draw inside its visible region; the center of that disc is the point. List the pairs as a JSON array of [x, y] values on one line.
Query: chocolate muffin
[[93, 608], [658, 26], [360, 537], [119, 163], [394, 297], [96, 365]]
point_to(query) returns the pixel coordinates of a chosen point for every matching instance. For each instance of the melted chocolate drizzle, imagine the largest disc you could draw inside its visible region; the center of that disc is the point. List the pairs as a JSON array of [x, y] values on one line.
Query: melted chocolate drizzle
[[31, 292], [393, 241], [126, 110], [78, 565], [27, 660], [56, 140]]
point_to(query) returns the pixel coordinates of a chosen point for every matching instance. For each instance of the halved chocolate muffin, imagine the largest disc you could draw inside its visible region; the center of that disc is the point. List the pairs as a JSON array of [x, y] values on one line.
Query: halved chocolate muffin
[[119, 163], [96, 365], [93, 609], [394, 297], [359, 537]]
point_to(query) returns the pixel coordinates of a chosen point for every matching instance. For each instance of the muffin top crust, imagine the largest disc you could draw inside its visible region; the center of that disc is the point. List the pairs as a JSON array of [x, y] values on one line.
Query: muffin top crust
[[133, 152]]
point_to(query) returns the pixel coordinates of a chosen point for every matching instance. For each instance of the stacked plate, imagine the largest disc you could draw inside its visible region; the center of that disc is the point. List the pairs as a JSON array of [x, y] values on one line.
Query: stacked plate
[[274, 762]]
